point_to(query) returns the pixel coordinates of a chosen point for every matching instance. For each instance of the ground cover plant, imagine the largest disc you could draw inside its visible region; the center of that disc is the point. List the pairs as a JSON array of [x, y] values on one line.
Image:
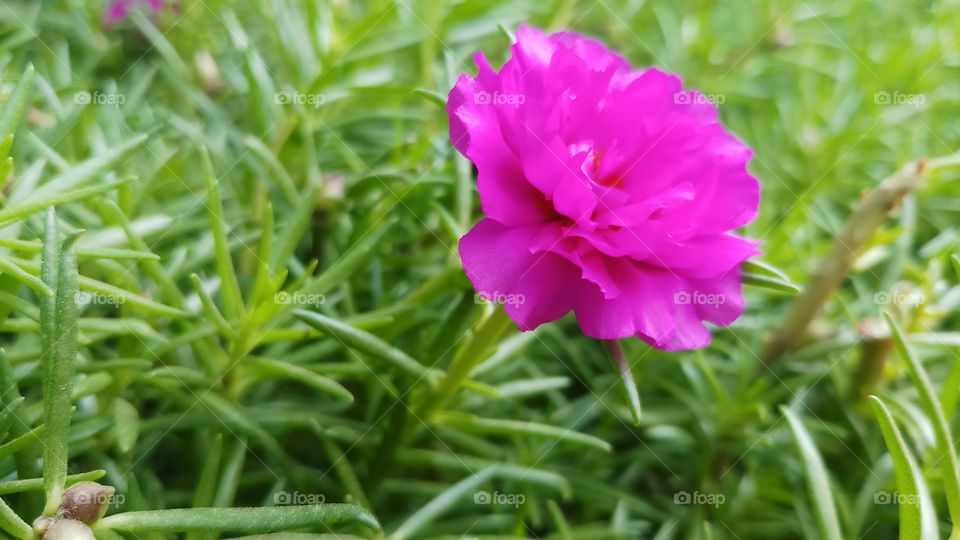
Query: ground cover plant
[[232, 299]]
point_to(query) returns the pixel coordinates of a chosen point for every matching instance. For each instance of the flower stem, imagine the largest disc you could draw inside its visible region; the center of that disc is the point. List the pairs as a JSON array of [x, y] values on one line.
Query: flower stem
[[479, 344], [626, 377], [869, 214]]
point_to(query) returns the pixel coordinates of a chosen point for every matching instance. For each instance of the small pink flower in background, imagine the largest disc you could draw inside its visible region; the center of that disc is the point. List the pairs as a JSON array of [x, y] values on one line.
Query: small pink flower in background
[[119, 9], [607, 191]]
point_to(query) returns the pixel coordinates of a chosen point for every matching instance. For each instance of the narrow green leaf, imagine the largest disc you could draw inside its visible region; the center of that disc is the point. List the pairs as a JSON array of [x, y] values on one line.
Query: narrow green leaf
[[265, 519], [945, 452], [77, 175], [505, 427], [433, 97], [443, 502], [627, 382], [818, 484], [563, 526], [28, 246], [19, 274], [229, 286], [36, 202], [364, 342], [207, 483], [298, 536], [5, 146], [506, 33], [22, 441], [33, 484], [59, 323], [16, 103], [277, 368], [126, 424], [230, 476], [347, 264], [767, 282], [283, 179], [264, 275], [918, 520], [210, 308], [294, 231], [756, 266], [11, 522]]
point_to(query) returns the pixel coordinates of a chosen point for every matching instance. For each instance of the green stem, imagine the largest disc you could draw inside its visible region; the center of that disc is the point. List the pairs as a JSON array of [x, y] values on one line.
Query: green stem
[[626, 377], [475, 351]]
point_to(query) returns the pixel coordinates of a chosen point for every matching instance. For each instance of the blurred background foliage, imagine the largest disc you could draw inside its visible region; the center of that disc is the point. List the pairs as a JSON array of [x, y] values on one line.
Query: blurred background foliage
[[330, 114]]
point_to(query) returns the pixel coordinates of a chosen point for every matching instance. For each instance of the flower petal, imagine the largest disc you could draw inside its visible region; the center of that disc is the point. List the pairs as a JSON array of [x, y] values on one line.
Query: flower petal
[[535, 287]]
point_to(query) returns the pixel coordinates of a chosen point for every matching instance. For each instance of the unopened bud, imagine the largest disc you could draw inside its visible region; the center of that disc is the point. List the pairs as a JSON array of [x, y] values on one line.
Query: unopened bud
[[68, 529], [42, 524], [85, 501]]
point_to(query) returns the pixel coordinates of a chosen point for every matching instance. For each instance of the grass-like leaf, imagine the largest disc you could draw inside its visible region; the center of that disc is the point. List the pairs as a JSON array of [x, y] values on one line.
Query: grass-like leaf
[[16, 104], [918, 520], [818, 484], [364, 342], [265, 519], [946, 452], [59, 324], [506, 427]]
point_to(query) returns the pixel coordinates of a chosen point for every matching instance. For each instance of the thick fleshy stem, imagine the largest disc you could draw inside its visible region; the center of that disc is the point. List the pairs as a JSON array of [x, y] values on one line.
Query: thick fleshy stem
[[867, 217], [626, 377]]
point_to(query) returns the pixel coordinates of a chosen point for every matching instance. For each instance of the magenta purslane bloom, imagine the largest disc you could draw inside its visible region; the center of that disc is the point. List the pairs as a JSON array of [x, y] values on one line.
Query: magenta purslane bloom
[[606, 190]]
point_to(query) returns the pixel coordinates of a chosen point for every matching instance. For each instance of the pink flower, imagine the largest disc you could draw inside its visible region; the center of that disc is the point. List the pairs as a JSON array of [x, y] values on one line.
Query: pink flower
[[607, 191], [119, 9]]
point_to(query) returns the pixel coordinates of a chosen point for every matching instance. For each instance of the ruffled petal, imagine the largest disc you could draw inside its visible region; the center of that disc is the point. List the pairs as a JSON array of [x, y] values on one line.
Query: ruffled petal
[[534, 287], [650, 306]]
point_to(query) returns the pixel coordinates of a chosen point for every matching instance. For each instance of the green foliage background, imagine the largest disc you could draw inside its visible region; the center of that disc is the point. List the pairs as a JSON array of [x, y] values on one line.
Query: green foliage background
[[213, 209]]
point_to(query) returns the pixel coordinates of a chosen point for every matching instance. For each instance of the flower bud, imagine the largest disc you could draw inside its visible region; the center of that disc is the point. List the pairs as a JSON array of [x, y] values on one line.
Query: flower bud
[[85, 501], [68, 529], [42, 524]]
